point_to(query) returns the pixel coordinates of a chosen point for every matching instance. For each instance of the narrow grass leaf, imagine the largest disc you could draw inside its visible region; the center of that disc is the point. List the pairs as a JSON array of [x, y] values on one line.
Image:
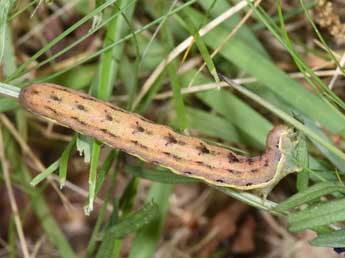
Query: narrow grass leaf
[[336, 161], [188, 23], [312, 193], [7, 104], [333, 239], [244, 33], [128, 196], [63, 162], [235, 110], [319, 215], [109, 241], [104, 170], [250, 199], [302, 159], [212, 125], [96, 229], [84, 147], [147, 239], [133, 222], [45, 173], [96, 149]]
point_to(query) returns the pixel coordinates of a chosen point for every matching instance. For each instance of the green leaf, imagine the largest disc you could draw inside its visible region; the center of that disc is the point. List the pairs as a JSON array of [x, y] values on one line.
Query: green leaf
[[148, 237], [302, 158], [212, 125], [63, 161], [7, 104], [318, 215], [133, 222], [235, 110], [45, 173], [96, 150], [312, 193], [84, 144], [333, 239], [336, 161], [109, 243]]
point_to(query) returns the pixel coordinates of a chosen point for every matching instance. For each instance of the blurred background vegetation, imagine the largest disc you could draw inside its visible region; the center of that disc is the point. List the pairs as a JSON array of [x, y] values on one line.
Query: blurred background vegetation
[[160, 59]]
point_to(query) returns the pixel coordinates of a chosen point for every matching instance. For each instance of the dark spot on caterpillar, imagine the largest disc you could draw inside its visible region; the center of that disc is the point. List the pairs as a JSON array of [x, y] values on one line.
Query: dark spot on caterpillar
[[201, 163], [78, 120], [170, 139], [107, 132], [116, 108], [188, 172], [138, 128], [144, 119], [35, 92], [249, 184], [235, 172], [176, 157], [203, 150], [51, 109], [55, 98], [166, 153], [62, 89], [250, 161], [254, 170], [182, 143], [266, 163], [87, 97], [277, 145], [139, 144], [232, 158], [109, 117], [220, 181], [81, 107], [149, 132]]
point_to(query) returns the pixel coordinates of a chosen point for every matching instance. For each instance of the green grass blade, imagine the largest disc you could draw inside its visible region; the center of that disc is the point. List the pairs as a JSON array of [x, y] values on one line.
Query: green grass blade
[[95, 154], [212, 125], [188, 23], [7, 104], [148, 237], [235, 110], [109, 245], [63, 161], [320, 215], [44, 174], [133, 222], [104, 170], [333, 239], [312, 193]]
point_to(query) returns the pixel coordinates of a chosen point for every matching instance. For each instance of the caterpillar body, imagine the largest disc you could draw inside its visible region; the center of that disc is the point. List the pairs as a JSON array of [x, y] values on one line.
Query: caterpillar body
[[159, 144]]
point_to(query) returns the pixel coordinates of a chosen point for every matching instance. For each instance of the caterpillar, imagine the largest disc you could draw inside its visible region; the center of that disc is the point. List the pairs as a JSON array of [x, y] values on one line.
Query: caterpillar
[[159, 144]]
